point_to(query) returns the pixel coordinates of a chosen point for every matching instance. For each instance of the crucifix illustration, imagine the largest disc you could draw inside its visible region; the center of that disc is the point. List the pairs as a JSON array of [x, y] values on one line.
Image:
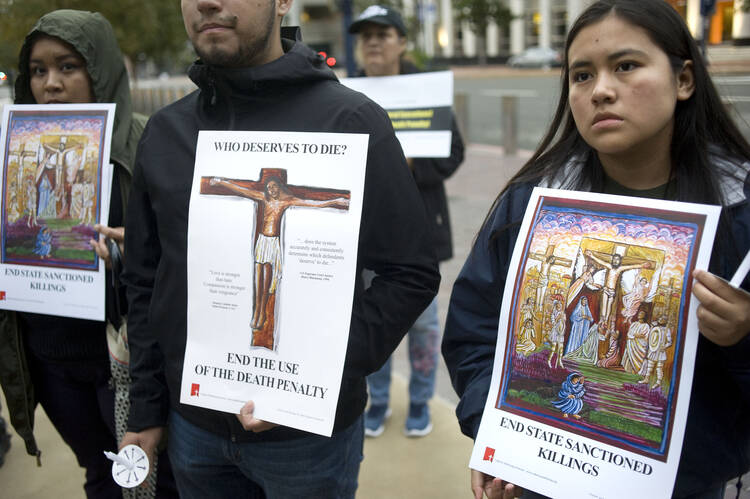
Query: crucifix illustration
[[548, 260], [61, 165], [273, 196], [614, 265]]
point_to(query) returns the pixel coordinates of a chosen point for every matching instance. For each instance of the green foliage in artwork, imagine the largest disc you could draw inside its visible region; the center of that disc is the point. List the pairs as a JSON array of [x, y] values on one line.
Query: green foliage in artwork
[[60, 224], [625, 425], [71, 254], [530, 398], [19, 251]]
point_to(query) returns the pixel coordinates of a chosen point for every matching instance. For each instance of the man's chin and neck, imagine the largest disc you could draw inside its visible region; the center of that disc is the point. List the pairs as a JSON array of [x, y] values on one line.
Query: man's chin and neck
[[245, 56], [238, 59]]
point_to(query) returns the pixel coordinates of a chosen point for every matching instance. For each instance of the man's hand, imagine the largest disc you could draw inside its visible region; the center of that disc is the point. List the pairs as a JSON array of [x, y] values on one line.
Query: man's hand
[[147, 440], [117, 234], [249, 422], [724, 311], [495, 488]]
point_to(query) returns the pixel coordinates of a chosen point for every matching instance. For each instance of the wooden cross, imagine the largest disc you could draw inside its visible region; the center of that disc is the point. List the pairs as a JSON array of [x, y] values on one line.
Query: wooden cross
[[272, 196], [548, 260]]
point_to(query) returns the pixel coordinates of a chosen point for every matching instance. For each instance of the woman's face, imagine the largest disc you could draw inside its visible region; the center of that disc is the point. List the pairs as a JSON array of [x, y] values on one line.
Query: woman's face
[[58, 73], [622, 88], [382, 47]]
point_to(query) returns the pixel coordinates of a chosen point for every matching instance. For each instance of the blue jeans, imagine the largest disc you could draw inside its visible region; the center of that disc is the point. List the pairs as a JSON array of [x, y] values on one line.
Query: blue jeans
[[424, 339], [208, 465]]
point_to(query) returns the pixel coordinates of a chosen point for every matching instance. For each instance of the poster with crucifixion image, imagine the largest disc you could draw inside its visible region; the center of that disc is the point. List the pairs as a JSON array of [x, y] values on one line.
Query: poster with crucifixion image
[[56, 180], [272, 249], [596, 346]]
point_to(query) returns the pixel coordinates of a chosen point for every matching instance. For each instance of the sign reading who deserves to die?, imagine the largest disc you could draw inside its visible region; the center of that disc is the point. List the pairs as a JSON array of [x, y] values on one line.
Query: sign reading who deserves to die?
[[272, 249]]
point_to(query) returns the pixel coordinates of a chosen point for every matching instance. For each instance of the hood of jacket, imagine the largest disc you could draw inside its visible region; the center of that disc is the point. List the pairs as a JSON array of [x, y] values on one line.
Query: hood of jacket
[[93, 37], [299, 65], [733, 177]]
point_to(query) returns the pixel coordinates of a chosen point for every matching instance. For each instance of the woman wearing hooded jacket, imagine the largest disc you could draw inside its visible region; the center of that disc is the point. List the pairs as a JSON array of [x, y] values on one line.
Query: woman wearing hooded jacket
[[63, 363]]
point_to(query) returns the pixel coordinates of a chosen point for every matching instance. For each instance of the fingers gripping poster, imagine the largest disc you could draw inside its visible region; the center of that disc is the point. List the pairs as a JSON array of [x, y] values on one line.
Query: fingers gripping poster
[[272, 251], [596, 346]]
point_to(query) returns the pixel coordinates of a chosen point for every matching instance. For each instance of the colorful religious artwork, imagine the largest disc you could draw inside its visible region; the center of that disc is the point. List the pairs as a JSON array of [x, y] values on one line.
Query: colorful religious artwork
[[273, 231], [273, 197], [54, 187], [596, 342]]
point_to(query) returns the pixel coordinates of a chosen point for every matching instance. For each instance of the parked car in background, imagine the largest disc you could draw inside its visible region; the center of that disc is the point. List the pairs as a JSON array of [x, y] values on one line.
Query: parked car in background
[[536, 57]]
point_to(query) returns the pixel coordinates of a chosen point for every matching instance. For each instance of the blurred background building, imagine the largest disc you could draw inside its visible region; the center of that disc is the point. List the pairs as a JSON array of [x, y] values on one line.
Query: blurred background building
[[442, 31]]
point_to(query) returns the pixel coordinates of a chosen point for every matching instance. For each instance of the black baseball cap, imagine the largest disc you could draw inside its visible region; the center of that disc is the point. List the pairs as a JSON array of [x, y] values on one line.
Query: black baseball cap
[[379, 14]]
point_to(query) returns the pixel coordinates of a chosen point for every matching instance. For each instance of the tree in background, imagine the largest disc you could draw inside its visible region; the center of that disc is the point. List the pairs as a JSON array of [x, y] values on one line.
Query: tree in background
[[478, 14], [145, 29]]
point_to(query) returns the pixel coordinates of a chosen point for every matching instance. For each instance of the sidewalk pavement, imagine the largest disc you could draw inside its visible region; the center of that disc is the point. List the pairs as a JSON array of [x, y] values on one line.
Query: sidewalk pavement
[[394, 466]]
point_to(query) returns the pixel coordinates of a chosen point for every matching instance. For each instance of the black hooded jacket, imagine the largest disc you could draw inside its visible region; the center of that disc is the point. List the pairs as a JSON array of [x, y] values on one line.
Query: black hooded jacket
[[296, 92]]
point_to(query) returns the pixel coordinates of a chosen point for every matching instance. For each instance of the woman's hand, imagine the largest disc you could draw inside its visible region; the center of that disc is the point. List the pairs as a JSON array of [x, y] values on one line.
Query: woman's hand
[[494, 488], [117, 234], [724, 311]]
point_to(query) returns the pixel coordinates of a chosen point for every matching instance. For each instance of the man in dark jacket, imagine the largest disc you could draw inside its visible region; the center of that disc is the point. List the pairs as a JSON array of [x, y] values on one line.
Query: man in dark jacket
[[382, 39], [250, 78]]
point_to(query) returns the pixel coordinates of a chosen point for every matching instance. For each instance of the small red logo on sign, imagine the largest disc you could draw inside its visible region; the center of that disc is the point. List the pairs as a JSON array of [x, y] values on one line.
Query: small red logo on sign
[[2, 295], [195, 389], [489, 454]]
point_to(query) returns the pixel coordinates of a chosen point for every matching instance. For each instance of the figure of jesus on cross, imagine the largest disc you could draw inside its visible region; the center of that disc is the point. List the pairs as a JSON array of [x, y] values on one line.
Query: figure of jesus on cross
[[273, 196], [615, 264]]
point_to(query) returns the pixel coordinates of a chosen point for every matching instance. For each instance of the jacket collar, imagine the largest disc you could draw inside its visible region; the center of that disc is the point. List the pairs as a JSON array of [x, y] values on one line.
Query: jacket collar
[[299, 64], [734, 177]]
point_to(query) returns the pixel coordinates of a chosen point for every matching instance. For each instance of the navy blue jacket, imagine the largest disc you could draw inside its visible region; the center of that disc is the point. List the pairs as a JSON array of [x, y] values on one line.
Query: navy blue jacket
[[717, 438]]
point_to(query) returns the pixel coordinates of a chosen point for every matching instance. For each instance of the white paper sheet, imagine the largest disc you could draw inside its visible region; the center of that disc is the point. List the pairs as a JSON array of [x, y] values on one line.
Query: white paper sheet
[[419, 106], [589, 417], [273, 216], [56, 182]]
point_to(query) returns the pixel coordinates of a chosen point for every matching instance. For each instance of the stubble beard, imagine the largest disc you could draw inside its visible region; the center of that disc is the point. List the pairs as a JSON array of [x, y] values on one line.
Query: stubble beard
[[248, 51]]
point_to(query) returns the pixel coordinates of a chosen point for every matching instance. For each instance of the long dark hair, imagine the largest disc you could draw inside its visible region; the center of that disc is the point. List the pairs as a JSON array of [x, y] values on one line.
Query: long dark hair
[[703, 130]]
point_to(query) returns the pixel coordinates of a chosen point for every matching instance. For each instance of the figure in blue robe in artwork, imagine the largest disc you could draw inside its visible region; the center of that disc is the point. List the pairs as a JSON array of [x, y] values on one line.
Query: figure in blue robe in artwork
[[47, 201], [581, 319], [570, 397], [43, 246], [588, 352]]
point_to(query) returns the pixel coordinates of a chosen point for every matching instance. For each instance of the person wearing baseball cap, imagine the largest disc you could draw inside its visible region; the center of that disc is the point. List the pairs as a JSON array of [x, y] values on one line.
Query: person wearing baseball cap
[[381, 35], [379, 14]]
